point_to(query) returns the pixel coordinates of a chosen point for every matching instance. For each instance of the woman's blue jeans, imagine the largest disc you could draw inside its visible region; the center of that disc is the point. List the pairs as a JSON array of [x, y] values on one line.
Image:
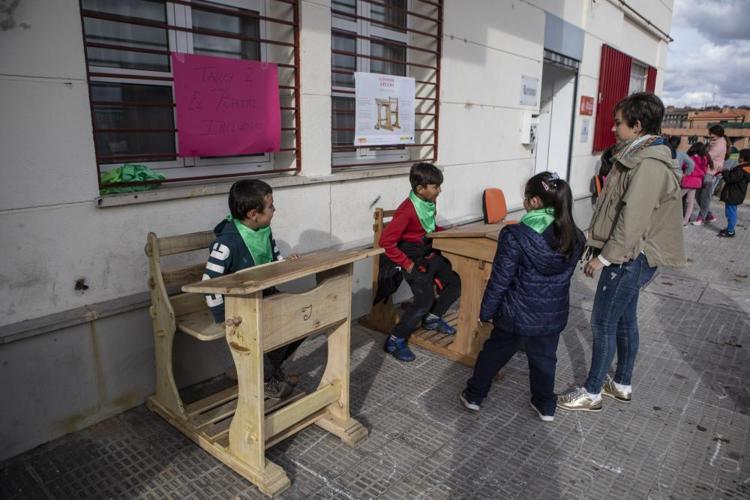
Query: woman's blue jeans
[[614, 321]]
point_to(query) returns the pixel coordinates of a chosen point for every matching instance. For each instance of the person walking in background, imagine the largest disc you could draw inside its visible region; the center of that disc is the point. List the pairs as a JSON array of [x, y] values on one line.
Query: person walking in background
[[734, 191], [719, 151], [692, 181], [684, 162]]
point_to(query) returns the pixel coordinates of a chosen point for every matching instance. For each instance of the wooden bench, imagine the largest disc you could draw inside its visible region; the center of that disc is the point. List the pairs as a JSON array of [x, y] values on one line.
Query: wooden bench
[[385, 315], [238, 424], [172, 311]]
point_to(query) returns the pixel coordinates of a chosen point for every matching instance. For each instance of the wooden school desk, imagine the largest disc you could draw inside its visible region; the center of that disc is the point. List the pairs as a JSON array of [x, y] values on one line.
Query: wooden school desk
[[470, 250], [256, 325]]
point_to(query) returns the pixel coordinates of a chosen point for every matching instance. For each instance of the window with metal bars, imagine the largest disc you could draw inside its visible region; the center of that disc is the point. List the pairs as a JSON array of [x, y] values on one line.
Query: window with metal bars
[[394, 37], [128, 45]]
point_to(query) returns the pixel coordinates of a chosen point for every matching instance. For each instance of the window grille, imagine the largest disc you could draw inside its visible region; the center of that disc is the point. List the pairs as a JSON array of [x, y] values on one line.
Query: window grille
[[394, 37], [128, 45]]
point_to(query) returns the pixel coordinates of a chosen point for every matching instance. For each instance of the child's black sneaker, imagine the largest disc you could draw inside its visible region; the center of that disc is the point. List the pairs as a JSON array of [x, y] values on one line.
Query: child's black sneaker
[[468, 403], [725, 234], [399, 348], [542, 416], [433, 322]]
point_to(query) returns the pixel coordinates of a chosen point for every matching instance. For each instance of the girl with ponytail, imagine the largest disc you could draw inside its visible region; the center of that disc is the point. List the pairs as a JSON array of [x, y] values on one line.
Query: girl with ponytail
[[527, 296]]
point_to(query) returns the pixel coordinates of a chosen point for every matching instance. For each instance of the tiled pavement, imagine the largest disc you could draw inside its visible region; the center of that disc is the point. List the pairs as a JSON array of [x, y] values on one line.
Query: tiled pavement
[[685, 435]]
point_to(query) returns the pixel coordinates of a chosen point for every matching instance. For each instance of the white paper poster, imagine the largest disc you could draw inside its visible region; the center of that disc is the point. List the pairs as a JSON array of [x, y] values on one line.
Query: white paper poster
[[529, 90], [585, 124], [384, 109]]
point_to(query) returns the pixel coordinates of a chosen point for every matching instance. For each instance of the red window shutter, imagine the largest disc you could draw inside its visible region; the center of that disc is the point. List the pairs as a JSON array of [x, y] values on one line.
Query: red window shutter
[[651, 79], [614, 80]]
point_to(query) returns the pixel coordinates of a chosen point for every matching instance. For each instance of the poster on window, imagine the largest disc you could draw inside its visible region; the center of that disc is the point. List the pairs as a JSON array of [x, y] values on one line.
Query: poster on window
[[384, 109], [226, 107]]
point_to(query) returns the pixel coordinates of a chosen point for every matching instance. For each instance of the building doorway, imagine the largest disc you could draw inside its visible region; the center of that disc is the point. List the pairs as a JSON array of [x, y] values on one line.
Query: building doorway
[[554, 139]]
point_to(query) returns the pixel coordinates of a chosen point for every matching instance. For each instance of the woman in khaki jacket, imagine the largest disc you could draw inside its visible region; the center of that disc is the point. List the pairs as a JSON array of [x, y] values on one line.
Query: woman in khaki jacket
[[636, 226]]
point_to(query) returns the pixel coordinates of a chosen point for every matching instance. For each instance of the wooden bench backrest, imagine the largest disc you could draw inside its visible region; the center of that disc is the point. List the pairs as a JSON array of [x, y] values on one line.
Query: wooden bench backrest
[[381, 218], [165, 284]]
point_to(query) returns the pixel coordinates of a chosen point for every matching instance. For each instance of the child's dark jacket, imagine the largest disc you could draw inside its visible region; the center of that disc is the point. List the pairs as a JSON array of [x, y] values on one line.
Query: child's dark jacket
[[528, 290], [229, 254], [735, 184]]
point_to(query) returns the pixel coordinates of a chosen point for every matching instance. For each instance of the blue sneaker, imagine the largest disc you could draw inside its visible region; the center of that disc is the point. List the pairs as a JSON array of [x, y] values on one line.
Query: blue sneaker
[[432, 322], [399, 349]]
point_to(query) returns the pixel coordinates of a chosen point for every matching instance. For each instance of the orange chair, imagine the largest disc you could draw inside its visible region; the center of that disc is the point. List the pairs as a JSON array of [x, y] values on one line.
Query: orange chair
[[494, 208]]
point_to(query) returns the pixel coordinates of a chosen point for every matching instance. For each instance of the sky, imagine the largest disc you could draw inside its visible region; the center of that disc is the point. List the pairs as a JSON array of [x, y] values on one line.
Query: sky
[[709, 61]]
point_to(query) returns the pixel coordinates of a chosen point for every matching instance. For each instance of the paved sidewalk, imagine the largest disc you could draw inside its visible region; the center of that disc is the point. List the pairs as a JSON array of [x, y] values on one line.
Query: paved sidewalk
[[685, 435]]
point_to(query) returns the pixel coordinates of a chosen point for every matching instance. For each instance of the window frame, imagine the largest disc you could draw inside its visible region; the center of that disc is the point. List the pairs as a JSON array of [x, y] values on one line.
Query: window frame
[[365, 29], [362, 28], [178, 14], [642, 80]]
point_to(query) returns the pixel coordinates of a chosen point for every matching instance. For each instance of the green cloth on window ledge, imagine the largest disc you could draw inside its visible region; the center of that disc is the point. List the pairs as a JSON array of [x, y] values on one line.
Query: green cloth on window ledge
[[257, 241], [426, 211], [129, 173], [539, 220]]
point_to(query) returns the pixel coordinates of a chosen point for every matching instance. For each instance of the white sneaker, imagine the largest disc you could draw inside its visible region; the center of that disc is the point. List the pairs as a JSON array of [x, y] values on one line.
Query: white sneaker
[[542, 417]]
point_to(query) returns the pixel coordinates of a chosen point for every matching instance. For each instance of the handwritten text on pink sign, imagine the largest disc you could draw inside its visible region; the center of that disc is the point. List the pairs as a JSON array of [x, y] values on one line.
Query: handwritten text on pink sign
[[226, 107]]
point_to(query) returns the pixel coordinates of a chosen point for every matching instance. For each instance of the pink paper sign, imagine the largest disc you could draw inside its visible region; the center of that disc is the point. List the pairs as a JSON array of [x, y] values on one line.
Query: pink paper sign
[[226, 107]]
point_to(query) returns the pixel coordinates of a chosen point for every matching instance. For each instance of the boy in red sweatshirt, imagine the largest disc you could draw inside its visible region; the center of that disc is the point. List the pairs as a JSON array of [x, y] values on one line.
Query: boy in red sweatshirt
[[425, 270]]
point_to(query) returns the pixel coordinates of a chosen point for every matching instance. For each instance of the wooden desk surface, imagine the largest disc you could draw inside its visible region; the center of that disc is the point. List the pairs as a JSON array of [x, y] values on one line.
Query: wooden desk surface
[[259, 278], [475, 230]]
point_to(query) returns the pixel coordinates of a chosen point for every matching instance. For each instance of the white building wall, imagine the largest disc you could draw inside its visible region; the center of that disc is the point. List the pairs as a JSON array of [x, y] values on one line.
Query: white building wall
[[53, 233]]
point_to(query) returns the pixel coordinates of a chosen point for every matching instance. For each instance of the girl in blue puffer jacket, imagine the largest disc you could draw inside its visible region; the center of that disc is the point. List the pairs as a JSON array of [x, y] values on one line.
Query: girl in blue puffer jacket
[[527, 296]]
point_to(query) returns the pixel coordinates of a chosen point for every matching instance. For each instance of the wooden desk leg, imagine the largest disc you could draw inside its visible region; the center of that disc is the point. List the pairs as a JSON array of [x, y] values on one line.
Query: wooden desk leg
[[247, 436], [337, 419], [472, 290]]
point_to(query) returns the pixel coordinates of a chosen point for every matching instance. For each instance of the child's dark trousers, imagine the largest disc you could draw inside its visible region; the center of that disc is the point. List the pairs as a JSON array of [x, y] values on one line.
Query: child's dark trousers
[[497, 351], [423, 286]]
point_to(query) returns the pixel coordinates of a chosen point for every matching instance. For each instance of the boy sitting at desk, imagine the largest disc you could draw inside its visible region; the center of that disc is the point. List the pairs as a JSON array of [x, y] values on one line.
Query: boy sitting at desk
[[425, 270], [243, 240]]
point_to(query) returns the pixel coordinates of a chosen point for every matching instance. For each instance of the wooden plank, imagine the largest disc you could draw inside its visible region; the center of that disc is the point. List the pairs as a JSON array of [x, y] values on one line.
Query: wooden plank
[[201, 325], [290, 415], [171, 245], [475, 248], [179, 276], [259, 278], [448, 340], [187, 303], [445, 352], [270, 478], [211, 401], [289, 316], [216, 414], [291, 431], [474, 274], [217, 430], [475, 230]]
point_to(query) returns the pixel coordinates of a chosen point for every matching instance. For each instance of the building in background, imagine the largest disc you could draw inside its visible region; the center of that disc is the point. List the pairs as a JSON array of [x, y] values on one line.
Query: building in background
[[504, 90], [693, 125]]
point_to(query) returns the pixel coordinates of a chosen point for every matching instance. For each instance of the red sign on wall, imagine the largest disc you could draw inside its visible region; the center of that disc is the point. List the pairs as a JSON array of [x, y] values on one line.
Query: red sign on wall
[[587, 105]]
